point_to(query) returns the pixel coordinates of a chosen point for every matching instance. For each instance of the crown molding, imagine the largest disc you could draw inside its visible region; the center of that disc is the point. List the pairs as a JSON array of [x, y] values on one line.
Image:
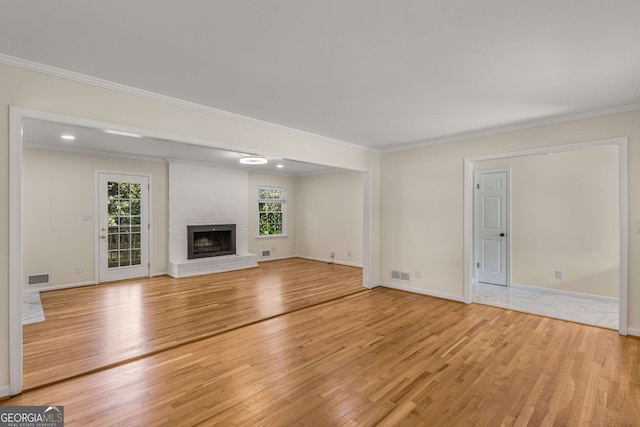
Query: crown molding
[[506, 129], [129, 90]]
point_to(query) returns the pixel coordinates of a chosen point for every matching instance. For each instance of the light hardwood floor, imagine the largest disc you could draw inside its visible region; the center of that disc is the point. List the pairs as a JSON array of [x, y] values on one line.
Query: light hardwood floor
[[92, 327], [379, 357]]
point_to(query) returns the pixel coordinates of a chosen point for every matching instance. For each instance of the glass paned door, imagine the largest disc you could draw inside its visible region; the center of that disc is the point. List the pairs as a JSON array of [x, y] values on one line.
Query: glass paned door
[[123, 233]]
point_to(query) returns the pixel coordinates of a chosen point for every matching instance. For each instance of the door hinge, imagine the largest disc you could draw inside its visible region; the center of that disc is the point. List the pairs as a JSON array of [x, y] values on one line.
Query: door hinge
[[478, 186], [148, 226], [149, 265], [478, 264]]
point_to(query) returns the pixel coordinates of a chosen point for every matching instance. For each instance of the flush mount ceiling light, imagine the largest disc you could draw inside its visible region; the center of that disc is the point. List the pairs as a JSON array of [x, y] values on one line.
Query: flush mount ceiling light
[[121, 133], [253, 160], [68, 137], [280, 166]]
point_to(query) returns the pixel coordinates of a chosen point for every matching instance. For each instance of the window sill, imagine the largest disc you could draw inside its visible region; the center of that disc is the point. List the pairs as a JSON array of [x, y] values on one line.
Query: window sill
[[272, 236]]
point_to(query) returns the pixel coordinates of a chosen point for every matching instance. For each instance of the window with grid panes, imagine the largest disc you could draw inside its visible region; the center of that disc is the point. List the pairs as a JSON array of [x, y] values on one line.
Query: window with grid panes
[[272, 211]]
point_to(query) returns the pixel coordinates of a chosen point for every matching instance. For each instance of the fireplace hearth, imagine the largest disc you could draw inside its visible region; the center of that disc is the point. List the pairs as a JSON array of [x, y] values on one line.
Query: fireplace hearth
[[205, 241]]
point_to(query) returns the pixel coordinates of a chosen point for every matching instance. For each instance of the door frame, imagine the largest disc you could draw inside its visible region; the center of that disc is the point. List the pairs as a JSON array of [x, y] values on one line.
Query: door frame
[[96, 215], [476, 240], [623, 209]]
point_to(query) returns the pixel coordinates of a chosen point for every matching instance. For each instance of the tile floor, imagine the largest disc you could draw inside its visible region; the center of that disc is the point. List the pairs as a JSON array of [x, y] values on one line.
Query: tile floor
[[31, 307], [576, 308]]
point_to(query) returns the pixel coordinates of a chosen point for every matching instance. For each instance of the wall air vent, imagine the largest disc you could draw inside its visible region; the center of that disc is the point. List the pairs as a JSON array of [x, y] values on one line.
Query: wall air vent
[[403, 276], [266, 253], [38, 279]]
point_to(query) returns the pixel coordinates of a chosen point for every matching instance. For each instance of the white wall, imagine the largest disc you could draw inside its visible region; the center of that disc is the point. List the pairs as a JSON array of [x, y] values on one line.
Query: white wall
[[59, 191], [329, 217], [564, 216], [324, 213], [203, 195], [280, 247], [422, 200], [31, 89]]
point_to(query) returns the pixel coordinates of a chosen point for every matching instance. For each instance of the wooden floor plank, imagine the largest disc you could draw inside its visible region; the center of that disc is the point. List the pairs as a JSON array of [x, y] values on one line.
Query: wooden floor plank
[[96, 326], [379, 357]]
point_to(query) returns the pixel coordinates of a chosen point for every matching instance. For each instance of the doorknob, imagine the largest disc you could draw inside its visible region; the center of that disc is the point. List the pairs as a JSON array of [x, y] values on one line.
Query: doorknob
[[103, 237], [501, 234]]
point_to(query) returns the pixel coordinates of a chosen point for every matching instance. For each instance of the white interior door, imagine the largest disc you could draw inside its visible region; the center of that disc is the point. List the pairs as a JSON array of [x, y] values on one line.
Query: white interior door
[[491, 227], [123, 226]]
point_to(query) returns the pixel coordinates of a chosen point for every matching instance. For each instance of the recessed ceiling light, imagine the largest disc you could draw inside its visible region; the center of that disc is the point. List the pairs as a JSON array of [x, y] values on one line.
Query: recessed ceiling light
[[253, 160], [68, 137], [121, 133], [280, 166]]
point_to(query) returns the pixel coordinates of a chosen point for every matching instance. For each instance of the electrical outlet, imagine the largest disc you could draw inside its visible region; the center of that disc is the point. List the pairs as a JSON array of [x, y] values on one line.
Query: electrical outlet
[[78, 269], [349, 254], [558, 274], [331, 254]]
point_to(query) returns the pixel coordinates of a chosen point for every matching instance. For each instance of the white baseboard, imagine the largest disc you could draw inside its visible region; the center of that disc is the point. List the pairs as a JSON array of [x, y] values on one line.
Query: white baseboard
[[563, 292], [160, 274], [55, 287], [329, 261], [275, 258], [373, 285], [633, 331], [421, 291], [5, 391]]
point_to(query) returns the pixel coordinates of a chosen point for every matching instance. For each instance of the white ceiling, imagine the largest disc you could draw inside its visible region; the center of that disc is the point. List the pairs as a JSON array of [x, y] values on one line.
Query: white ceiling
[[43, 134], [379, 73]]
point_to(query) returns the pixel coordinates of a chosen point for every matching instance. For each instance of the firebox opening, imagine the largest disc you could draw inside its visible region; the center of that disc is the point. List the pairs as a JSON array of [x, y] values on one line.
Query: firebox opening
[[211, 240]]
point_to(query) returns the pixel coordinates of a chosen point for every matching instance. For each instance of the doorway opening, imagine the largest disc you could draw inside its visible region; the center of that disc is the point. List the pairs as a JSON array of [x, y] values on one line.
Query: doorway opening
[[558, 275], [161, 141]]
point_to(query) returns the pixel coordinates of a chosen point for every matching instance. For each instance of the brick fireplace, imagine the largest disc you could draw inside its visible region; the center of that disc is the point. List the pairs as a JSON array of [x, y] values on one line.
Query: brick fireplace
[[208, 197]]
